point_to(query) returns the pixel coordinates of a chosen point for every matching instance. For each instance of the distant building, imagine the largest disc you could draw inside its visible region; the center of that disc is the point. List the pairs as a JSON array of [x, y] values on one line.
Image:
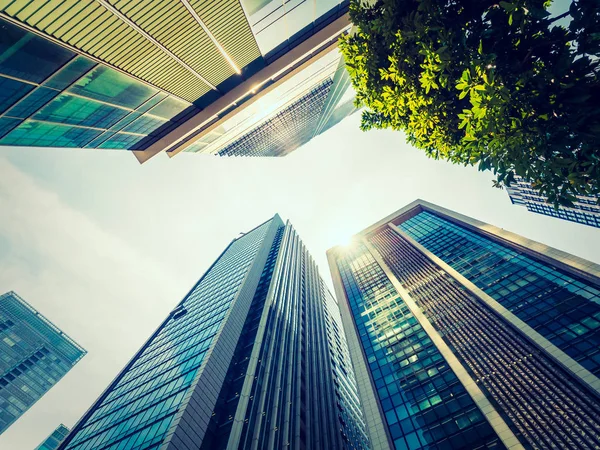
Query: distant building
[[34, 356], [467, 336], [585, 210], [54, 440], [254, 356], [235, 77]]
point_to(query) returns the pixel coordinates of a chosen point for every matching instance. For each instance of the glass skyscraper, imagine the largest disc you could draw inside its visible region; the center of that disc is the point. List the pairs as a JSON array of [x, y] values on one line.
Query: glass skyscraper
[[231, 77], [467, 336], [585, 209], [54, 440], [34, 356], [254, 356]]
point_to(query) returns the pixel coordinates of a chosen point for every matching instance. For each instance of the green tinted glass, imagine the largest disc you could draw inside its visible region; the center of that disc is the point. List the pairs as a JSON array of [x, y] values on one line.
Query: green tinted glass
[[80, 111], [39, 134], [73, 70], [108, 85]]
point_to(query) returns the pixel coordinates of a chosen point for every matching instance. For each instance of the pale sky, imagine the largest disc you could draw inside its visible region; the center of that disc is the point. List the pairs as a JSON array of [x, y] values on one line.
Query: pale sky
[[105, 247]]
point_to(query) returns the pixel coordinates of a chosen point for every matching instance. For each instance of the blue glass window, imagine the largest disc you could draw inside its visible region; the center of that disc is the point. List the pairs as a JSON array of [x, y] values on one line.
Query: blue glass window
[[7, 124], [80, 111], [108, 85], [27, 56], [144, 125], [31, 103], [11, 91], [561, 307], [40, 134]]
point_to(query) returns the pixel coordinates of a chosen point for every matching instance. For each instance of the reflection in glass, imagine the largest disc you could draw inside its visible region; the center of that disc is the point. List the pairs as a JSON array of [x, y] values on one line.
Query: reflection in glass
[[110, 86]]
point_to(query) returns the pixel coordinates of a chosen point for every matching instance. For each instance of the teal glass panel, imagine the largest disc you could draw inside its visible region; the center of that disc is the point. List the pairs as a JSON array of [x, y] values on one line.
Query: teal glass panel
[[169, 107], [122, 141], [11, 91], [108, 85], [100, 139], [125, 121], [7, 124], [559, 306], [27, 56], [144, 125], [31, 103], [39, 134], [152, 102], [80, 111], [71, 72]]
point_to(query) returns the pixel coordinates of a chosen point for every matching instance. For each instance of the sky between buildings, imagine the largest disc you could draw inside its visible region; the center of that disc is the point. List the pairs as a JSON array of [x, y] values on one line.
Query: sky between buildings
[[105, 247]]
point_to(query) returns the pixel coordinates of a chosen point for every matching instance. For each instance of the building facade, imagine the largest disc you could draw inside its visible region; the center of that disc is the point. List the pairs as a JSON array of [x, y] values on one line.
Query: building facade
[[34, 356], [585, 209], [184, 75], [53, 441], [466, 336], [253, 357]]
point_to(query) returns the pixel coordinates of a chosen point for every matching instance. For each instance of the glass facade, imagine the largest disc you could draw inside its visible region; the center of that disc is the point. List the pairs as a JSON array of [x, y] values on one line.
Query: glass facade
[[423, 402], [189, 55], [446, 367], [585, 210], [54, 440], [277, 26], [34, 356], [561, 307], [232, 359], [53, 97], [298, 109]]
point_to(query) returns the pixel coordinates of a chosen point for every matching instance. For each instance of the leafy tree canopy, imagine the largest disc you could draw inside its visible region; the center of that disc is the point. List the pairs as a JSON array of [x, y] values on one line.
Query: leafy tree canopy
[[494, 83]]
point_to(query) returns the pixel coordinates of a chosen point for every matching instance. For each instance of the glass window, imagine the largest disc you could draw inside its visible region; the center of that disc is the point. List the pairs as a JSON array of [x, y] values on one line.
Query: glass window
[[122, 141], [144, 125], [81, 111], [31, 103], [7, 124], [27, 56], [169, 108], [39, 134], [73, 70], [11, 91], [108, 85]]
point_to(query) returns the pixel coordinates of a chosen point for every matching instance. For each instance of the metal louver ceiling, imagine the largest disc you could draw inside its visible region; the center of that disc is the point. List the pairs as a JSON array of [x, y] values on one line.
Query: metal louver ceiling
[[158, 41]]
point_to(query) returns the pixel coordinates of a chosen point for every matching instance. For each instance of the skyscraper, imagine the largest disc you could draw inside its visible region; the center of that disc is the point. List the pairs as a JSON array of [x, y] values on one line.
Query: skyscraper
[[231, 77], [585, 209], [252, 357], [53, 441], [34, 356], [464, 335]]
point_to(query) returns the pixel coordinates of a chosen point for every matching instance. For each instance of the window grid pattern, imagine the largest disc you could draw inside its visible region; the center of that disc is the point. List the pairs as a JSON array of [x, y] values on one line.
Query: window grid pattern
[[585, 210], [294, 401], [286, 131], [54, 440], [424, 404], [34, 356], [51, 97], [544, 405], [562, 308], [138, 410]]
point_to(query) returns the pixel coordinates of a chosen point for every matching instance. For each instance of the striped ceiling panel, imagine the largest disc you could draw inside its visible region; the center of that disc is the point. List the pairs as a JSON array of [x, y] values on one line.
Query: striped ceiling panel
[[228, 23], [191, 63]]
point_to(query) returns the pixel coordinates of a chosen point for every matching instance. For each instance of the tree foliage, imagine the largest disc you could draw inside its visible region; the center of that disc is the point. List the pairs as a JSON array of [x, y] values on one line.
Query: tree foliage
[[496, 84]]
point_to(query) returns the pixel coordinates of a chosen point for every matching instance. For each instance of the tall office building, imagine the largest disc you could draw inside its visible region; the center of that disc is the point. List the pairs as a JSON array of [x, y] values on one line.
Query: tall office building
[[34, 356], [252, 357], [467, 336], [585, 209], [53, 441], [228, 77]]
